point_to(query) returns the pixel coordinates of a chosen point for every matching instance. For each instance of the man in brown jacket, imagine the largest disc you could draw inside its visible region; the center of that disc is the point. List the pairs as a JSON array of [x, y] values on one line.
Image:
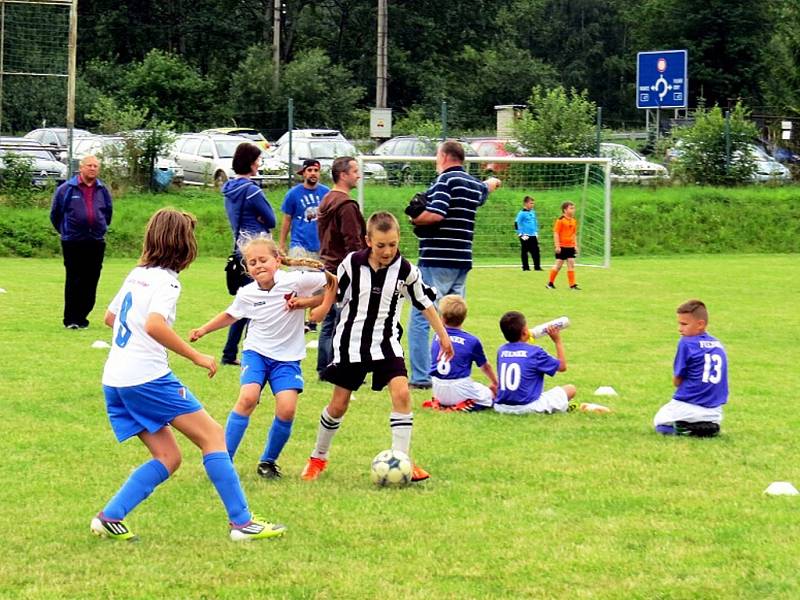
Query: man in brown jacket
[[342, 230]]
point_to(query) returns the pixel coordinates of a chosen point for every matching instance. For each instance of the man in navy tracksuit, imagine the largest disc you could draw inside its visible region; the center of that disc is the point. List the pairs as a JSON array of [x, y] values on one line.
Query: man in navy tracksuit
[[81, 213]]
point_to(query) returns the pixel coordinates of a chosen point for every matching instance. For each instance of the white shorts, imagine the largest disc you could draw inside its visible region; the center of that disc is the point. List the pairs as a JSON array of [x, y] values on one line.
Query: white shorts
[[675, 410], [552, 401], [452, 391]]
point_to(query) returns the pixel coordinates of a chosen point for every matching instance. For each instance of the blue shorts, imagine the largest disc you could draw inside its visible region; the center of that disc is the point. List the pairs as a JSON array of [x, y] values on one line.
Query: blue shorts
[[282, 375], [150, 406]]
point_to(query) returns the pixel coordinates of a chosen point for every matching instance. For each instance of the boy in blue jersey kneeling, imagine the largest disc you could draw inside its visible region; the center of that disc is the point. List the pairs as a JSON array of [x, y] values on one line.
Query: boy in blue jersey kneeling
[[453, 386], [700, 374]]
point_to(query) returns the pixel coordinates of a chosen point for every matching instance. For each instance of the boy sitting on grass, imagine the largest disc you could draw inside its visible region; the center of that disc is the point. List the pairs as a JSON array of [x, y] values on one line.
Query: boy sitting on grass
[[521, 368], [700, 374], [453, 385]]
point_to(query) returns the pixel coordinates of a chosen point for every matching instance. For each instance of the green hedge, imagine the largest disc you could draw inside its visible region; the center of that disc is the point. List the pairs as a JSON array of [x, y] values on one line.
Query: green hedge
[[645, 221]]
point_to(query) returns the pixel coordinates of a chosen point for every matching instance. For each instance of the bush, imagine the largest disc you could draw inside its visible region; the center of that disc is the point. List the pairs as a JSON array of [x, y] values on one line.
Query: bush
[[558, 123], [713, 152]]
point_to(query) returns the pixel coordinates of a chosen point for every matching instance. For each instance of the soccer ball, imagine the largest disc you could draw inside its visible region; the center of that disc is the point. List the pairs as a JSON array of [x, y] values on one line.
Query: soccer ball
[[391, 468]]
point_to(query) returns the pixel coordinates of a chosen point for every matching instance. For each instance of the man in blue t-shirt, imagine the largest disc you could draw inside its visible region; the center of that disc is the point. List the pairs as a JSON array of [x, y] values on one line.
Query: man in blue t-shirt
[[452, 379], [700, 374], [300, 213], [521, 368]]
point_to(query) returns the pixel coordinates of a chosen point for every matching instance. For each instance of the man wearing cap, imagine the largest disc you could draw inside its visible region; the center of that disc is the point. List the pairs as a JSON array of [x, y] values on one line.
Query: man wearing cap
[[300, 213]]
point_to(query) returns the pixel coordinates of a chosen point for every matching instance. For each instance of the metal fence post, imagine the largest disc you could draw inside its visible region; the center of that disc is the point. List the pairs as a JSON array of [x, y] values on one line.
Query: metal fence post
[[727, 142], [599, 127]]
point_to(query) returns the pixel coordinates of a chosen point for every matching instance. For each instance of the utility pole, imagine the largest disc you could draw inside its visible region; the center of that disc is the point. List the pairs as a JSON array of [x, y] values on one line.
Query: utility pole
[[276, 44], [380, 83], [71, 76]]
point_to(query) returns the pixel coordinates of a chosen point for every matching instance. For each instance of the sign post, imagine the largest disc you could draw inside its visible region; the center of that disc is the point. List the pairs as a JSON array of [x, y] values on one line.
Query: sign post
[[661, 81]]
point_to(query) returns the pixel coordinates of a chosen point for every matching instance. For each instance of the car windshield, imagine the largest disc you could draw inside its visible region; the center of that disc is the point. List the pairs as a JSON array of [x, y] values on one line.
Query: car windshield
[[62, 135], [250, 134], [330, 149], [759, 154], [620, 152], [226, 148]]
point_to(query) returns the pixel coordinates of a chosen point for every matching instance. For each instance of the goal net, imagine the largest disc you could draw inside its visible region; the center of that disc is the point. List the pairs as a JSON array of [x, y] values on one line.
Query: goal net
[[34, 61], [389, 182]]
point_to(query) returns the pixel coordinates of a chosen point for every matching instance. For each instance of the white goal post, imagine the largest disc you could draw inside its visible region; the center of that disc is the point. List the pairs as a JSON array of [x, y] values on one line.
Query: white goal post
[[393, 180]]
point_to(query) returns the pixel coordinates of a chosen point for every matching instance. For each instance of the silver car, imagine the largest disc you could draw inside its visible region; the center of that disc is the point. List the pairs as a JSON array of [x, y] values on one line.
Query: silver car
[[325, 149], [55, 139], [628, 166], [44, 168], [207, 159], [111, 150]]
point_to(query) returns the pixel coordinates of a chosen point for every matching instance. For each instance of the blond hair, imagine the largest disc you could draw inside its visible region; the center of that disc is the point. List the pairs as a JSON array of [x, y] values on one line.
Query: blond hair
[[453, 309], [247, 241], [169, 240]]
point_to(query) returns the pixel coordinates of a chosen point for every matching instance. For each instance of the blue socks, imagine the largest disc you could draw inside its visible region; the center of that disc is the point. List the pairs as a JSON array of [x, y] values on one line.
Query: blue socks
[[235, 427], [219, 468], [139, 486], [276, 439]]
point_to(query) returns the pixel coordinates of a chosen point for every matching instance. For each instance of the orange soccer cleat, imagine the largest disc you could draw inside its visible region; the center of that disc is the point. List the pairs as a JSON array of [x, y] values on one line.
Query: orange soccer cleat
[[419, 474], [313, 468]]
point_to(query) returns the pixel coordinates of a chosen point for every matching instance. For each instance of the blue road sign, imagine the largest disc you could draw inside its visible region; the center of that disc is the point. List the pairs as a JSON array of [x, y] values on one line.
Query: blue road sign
[[661, 79]]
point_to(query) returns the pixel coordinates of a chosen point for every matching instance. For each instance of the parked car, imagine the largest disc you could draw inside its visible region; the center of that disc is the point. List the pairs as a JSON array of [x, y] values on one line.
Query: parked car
[[55, 139], [45, 168], [412, 145], [493, 147], [325, 148], [766, 167], [110, 149], [628, 166], [322, 134], [251, 135], [786, 156], [208, 158]]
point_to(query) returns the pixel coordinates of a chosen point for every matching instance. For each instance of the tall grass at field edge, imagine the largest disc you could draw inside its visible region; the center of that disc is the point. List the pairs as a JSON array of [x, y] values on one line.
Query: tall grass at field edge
[[645, 221]]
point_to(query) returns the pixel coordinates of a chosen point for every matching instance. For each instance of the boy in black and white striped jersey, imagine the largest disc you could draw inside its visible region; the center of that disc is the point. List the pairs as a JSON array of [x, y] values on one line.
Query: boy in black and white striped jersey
[[372, 285]]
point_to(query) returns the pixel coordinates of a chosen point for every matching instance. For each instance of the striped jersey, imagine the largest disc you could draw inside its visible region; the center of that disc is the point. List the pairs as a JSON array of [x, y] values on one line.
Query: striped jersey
[[455, 195], [371, 302]]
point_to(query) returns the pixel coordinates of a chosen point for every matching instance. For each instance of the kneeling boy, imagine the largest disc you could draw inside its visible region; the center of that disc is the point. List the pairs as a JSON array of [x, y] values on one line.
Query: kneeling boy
[[452, 383], [700, 374]]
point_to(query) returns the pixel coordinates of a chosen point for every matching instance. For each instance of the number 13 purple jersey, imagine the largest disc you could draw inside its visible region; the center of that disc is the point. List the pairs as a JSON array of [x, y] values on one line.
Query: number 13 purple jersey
[[703, 365]]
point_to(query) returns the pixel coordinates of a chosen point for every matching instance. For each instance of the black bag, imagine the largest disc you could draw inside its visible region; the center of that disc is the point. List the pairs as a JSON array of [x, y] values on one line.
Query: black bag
[[415, 207], [235, 274]]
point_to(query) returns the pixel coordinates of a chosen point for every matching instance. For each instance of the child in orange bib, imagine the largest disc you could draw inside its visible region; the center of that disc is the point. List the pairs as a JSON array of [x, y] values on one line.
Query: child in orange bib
[[565, 239]]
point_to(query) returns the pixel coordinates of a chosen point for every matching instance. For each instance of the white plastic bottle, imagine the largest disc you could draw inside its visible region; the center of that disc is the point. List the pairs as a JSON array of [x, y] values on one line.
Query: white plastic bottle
[[541, 330]]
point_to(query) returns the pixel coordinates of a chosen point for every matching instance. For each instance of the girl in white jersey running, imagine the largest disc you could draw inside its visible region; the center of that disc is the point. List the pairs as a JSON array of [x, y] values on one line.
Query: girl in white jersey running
[[275, 343], [144, 398]]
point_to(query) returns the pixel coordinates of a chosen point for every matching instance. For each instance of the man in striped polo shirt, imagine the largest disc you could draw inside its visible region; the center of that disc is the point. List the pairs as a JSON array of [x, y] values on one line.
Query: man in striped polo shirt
[[445, 230]]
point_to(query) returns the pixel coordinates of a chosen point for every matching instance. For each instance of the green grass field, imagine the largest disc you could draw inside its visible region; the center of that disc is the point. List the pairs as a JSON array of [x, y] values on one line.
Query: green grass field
[[565, 506]]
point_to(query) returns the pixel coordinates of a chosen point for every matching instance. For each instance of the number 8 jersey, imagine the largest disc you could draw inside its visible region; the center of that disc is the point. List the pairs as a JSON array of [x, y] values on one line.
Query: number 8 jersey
[[135, 357], [703, 365]]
